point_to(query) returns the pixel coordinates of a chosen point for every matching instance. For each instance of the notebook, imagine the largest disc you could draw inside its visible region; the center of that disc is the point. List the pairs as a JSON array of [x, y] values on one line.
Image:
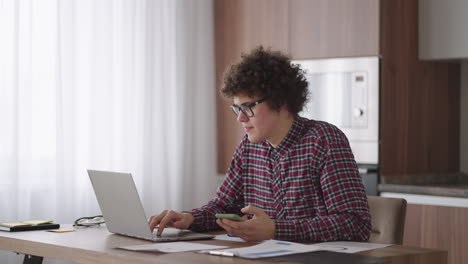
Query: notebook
[[28, 226], [123, 212]]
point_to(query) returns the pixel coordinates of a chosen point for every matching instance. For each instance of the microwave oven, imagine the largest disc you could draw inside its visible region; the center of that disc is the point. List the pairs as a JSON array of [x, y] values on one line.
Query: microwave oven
[[345, 93]]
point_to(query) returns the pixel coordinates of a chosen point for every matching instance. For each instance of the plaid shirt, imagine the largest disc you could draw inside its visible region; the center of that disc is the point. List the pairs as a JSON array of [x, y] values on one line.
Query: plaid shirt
[[309, 184]]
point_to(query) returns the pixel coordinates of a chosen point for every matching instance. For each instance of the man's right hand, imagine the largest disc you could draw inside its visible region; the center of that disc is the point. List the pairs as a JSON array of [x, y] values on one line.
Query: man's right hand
[[169, 218]]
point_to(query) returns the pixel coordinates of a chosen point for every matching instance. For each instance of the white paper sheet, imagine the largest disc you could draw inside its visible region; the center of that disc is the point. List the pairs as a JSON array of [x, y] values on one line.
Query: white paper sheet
[[273, 248], [172, 247], [349, 247], [269, 248]]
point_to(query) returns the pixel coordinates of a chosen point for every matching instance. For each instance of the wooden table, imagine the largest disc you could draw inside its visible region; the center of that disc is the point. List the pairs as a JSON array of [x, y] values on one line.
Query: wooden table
[[96, 245]]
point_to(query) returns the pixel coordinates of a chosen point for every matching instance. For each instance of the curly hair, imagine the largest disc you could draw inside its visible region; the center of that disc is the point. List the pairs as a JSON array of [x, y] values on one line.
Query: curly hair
[[269, 74]]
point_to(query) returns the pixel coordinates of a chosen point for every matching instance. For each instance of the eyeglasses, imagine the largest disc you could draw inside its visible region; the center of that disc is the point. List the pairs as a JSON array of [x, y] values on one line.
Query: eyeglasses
[[246, 108], [89, 221]]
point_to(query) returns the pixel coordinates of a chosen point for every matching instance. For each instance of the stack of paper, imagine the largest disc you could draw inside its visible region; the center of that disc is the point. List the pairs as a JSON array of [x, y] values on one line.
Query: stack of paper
[[274, 248]]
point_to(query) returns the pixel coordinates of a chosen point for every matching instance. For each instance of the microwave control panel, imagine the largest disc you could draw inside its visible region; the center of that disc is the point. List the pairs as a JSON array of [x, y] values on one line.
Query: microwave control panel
[[359, 99]]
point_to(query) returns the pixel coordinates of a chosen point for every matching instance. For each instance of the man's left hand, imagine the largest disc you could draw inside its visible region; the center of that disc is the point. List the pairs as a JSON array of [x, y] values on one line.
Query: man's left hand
[[260, 227]]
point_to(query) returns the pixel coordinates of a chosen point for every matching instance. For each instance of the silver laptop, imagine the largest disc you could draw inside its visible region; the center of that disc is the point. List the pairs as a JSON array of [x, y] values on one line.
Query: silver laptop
[[122, 209]]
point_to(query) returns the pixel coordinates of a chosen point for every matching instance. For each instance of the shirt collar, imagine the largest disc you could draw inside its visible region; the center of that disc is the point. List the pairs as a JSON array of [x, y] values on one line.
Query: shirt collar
[[290, 140]]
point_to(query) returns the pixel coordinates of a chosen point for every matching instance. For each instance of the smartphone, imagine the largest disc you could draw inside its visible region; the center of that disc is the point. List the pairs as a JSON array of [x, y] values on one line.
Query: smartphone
[[232, 217]]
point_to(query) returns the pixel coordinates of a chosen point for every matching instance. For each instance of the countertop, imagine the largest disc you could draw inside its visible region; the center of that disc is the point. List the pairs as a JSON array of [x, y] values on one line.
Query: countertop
[[444, 184]]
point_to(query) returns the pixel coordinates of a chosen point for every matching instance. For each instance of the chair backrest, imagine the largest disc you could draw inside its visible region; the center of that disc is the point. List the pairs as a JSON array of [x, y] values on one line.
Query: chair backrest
[[388, 219]]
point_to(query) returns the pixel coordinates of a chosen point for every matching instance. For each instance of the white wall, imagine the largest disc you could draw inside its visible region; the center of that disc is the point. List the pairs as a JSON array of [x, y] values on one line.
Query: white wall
[[464, 118]]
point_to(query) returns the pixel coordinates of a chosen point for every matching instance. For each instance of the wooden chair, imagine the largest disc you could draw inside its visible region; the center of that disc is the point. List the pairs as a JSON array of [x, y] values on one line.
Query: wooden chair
[[388, 219]]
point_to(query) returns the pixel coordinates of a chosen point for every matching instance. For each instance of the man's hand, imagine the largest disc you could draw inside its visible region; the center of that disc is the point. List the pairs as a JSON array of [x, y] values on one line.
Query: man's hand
[[260, 227], [169, 218]]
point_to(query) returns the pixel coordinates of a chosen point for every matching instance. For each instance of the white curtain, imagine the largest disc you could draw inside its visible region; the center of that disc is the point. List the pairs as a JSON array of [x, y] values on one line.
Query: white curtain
[[121, 85]]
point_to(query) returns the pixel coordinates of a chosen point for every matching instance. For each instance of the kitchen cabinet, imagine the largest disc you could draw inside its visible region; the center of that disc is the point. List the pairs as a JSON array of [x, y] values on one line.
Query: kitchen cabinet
[[420, 105], [304, 29], [419, 100], [334, 28], [441, 227], [242, 25], [442, 29]]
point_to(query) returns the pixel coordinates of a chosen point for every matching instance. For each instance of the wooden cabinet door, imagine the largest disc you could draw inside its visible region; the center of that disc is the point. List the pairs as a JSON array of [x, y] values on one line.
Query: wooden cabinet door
[[420, 105], [241, 25], [334, 28], [440, 227]]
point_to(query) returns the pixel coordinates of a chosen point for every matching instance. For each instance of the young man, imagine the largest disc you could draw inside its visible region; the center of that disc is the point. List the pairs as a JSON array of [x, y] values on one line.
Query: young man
[[292, 178]]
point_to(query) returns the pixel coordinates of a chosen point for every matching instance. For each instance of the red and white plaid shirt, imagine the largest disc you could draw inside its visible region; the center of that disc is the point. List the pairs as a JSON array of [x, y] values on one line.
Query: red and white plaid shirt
[[309, 184]]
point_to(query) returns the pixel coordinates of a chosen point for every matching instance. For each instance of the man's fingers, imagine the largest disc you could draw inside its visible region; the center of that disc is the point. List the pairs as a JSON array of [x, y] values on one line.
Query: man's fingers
[[225, 227], [232, 227], [250, 209], [155, 219], [180, 223], [231, 223], [166, 221], [260, 227], [228, 228]]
